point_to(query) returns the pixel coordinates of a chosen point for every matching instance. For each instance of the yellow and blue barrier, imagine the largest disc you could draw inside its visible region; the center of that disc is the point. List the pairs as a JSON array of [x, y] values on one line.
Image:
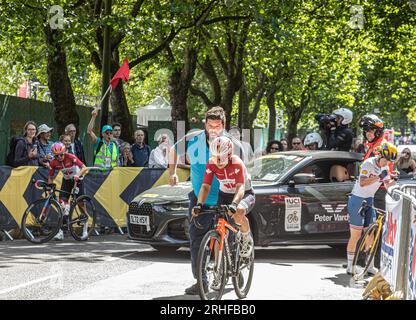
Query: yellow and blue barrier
[[111, 191]]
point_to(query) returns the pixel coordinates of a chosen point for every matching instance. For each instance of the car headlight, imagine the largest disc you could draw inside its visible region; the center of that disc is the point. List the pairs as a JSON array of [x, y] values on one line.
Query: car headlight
[[176, 206]]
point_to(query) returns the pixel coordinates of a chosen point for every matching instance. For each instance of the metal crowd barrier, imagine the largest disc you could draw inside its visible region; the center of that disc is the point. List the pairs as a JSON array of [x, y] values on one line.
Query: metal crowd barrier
[[405, 263]]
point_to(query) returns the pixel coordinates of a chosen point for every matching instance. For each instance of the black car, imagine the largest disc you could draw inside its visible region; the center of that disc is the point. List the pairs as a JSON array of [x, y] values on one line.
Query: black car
[[299, 200]]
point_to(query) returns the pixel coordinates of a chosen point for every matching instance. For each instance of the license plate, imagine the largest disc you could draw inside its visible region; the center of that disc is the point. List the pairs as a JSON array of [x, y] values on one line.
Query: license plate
[[141, 220]]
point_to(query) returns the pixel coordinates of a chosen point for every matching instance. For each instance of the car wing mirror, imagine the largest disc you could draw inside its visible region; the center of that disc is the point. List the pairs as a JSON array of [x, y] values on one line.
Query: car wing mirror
[[291, 183], [304, 178]]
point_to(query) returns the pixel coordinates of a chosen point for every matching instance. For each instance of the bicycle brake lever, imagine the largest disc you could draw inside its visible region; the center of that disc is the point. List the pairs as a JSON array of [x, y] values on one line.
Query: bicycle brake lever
[[196, 223]]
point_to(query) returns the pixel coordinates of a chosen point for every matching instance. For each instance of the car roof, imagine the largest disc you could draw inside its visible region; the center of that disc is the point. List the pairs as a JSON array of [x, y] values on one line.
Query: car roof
[[325, 154]]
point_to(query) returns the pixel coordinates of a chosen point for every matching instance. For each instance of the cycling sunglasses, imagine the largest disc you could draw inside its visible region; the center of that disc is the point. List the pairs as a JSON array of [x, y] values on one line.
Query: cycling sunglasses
[[59, 155]]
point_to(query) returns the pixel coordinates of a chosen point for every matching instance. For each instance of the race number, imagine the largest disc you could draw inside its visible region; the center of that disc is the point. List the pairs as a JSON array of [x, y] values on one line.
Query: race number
[[293, 210]]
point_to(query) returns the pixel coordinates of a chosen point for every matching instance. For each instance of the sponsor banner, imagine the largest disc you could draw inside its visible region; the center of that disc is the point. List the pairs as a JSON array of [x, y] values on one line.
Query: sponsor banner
[[293, 210], [111, 191], [411, 274], [391, 240]]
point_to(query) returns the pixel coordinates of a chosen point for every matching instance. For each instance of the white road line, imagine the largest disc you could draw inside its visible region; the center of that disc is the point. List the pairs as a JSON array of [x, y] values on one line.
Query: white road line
[[29, 283], [123, 256]]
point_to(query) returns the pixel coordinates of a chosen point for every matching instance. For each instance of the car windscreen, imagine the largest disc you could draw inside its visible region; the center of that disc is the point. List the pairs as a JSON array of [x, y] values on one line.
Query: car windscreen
[[269, 168]]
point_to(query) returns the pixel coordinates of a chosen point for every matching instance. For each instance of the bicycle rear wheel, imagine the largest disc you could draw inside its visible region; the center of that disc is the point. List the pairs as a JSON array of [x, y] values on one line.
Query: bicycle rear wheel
[[82, 218], [362, 257], [42, 220], [242, 282], [211, 267]]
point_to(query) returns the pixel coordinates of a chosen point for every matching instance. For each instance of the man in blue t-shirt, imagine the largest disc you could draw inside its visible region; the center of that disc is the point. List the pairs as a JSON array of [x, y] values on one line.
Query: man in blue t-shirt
[[197, 154]]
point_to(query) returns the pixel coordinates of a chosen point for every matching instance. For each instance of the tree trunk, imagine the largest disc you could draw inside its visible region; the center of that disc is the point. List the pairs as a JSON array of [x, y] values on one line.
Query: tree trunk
[[270, 100], [59, 83], [292, 130], [179, 86], [120, 109]]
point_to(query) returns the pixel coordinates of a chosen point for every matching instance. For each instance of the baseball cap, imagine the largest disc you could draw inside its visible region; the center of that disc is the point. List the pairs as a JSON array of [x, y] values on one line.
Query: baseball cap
[[107, 128]]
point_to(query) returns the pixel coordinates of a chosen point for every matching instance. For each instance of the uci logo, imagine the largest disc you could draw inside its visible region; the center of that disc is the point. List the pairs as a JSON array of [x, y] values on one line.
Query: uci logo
[[293, 200]]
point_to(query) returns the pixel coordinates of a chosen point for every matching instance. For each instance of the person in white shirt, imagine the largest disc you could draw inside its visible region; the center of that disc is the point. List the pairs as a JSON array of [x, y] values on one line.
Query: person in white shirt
[[159, 157], [374, 172]]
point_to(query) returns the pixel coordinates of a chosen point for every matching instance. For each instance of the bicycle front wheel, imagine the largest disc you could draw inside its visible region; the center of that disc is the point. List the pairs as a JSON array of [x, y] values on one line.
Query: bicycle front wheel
[[242, 282], [364, 256], [82, 218], [211, 267], [42, 220]]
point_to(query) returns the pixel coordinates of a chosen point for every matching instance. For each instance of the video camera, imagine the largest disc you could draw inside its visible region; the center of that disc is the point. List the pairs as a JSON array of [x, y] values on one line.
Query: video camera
[[326, 120]]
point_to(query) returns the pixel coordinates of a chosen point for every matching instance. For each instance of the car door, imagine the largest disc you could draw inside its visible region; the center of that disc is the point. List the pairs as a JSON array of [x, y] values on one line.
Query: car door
[[322, 204]]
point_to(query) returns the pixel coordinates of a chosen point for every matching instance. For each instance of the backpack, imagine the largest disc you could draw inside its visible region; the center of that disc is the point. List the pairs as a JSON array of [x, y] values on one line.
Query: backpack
[[12, 149]]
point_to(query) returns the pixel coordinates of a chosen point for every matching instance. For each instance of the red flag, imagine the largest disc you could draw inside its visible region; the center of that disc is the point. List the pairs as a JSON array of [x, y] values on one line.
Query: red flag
[[123, 73]]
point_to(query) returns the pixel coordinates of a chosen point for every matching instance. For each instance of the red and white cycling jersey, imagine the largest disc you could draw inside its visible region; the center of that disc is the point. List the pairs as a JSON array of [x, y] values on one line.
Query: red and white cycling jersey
[[235, 172], [70, 166]]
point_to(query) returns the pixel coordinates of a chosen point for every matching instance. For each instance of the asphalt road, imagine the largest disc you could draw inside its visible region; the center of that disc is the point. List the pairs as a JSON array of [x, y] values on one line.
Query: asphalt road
[[110, 267]]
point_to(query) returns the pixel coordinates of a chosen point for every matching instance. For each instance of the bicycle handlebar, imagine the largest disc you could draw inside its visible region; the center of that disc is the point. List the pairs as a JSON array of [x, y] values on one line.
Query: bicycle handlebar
[[221, 209]]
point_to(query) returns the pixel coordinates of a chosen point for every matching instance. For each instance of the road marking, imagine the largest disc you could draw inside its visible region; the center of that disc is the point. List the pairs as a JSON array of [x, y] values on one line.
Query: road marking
[[29, 283], [123, 256]]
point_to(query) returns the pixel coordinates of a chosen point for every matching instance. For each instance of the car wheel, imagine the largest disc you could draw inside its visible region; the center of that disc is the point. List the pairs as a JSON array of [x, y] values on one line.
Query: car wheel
[[165, 249]]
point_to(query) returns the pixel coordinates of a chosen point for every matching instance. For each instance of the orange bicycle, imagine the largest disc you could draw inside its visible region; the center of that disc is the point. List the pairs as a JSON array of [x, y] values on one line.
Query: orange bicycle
[[219, 258]]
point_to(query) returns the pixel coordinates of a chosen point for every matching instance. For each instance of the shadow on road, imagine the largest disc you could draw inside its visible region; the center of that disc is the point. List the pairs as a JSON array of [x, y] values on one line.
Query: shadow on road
[[188, 297], [341, 279]]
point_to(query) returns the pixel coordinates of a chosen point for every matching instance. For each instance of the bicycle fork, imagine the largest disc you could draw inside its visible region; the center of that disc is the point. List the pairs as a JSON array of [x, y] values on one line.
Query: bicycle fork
[[45, 210]]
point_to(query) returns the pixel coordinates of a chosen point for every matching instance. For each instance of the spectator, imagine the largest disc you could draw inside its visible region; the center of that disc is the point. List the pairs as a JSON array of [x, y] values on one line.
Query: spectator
[[297, 144], [140, 150], [126, 156], [313, 141], [66, 140], [358, 146], [26, 151], [405, 162], [116, 137], [117, 133], [106, 152], [44, 133], [285, 144], [248, 153], [274, 146], [77, 148], [159, 156]]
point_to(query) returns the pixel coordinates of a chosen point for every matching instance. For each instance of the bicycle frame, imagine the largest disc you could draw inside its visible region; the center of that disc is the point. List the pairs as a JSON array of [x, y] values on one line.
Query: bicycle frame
[[52, 194], [222, 228]]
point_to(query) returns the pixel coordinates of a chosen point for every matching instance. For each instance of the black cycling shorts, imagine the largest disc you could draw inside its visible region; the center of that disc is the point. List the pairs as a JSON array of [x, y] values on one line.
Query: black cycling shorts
[[247, 202], [68, 185]]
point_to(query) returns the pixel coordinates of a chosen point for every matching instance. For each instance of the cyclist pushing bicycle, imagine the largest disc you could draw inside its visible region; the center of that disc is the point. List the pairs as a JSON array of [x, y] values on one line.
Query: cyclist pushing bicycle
[[374, 172], [235, 188], [72, 168]]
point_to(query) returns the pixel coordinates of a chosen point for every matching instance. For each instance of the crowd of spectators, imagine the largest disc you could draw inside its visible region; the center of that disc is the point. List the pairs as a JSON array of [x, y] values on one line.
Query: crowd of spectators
[[34, 147]]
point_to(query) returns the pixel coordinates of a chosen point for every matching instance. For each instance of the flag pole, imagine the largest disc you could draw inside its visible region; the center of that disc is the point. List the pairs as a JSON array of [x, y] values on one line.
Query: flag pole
[[103, 97]]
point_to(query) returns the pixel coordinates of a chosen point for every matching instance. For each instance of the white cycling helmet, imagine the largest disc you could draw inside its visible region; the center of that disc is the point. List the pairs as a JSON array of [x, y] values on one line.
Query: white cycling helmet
[[221, 147], [313, 138], [346, 115]]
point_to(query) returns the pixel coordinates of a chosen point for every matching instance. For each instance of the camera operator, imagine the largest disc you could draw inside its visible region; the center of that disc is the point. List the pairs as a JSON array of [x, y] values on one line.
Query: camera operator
[[338, 136]]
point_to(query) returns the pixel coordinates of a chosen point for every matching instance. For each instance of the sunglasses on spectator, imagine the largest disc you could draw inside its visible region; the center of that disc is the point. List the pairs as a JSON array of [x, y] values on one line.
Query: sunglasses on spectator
[[406, 153]]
